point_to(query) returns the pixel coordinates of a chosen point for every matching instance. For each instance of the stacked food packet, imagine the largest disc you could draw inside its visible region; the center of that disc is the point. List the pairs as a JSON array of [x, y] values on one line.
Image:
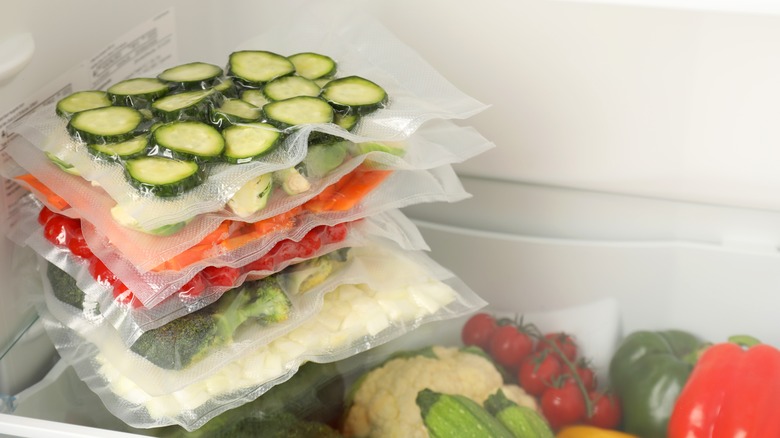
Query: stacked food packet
[[206, 229]]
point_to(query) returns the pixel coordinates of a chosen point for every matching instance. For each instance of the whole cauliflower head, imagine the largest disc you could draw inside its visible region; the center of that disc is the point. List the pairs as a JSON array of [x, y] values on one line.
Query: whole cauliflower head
[[384, 403]]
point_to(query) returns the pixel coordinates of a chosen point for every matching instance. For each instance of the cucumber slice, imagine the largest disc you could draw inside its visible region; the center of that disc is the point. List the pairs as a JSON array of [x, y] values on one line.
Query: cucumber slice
[[226, 87], [137, 92], [255, 97], [347, 121], [290, 86], [253, 68], [322, 158], [298, 111], [187, 140], [164, 177], [132, 148], [188, 105], [234, 111], [111, 124], [313, 65], [354, 94], [191, 76], [82, 101], [246, 142]]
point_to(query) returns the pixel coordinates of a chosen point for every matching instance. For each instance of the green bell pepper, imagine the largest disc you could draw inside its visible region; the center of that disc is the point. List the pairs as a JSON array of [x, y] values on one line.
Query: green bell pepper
[[647, 372]]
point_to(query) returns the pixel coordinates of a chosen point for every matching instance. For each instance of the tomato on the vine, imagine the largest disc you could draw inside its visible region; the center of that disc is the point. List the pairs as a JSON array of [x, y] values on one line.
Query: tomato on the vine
[[587, 375], [538, 371], [563, 405], [101, 273], [478, 330], [509, 345], [45, 214], [607, 412], [78, 246], [564, 341]]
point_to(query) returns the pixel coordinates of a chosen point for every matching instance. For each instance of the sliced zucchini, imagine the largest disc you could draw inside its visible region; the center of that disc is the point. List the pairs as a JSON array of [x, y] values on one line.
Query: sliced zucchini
[[191, 76], [253, 68], [348, 121], [137, 92], [255, 97], [134, 147], [122, 217], [298, 111], [313, 65], [82, 101], [234, 111], [322, 158], [187, 140], [246, 142], [290, 86], [110, 124], [354, 94], [164, 177], [226, 87], [188, 105], [252, 197]]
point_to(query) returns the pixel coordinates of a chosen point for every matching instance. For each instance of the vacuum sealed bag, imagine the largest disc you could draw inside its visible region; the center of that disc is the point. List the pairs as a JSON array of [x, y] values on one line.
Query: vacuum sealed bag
[[378, 294], [325, 166]]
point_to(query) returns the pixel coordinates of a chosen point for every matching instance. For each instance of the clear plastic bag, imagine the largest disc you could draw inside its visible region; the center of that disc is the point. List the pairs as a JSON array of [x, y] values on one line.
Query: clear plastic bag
[[131, 319], [379, 294], [433, 146]]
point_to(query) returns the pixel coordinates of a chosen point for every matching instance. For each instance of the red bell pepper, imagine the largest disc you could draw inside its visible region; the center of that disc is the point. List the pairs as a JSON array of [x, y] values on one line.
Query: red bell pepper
[[733, 391]]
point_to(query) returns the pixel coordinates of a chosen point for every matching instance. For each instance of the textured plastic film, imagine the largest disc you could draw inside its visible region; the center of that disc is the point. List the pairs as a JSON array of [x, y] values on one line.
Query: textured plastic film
[[132, 321], [351, 317], [400, 189], [437, 144], [417, 94]]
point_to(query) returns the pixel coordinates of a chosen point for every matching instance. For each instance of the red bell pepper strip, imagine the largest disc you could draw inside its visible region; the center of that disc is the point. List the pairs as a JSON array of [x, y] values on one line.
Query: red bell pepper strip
[[733, 391]]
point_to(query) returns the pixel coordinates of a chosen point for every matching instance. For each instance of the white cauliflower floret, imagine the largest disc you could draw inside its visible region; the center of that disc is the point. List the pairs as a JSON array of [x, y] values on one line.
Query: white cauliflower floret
[[384, 404]]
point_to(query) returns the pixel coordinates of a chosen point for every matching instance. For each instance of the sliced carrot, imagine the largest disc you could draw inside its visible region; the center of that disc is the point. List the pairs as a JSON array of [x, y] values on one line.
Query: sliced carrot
[[198, 252], [256, 230], [35, 184]]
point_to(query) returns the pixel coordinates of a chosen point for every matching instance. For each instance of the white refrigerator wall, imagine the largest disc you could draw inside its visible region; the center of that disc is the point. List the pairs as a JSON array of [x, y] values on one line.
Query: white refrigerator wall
[[613, 123]]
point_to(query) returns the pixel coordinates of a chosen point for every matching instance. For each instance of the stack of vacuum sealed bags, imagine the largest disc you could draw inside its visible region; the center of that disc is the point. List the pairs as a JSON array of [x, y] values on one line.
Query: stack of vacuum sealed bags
[[206, 229]]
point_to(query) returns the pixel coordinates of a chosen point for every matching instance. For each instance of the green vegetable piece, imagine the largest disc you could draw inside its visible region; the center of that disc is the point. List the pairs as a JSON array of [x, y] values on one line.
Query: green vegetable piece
[[249, 141], [313, 66], [138, 93], [187, 140], [81, 101], [252, 196], [374, 146], [188, 105], [451, 415], [111, 124], [164, 177], [190, 338], [253, 68], [299, 110], [127, 149], [354, 94], [522, 421], [64, 287], [62, 164], [647, 372], [234, 111], [323, 158], [290, 86], [194, 75]]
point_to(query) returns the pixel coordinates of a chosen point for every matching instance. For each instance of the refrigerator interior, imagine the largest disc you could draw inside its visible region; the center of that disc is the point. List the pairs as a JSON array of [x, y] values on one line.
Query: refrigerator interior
[[634, 176]]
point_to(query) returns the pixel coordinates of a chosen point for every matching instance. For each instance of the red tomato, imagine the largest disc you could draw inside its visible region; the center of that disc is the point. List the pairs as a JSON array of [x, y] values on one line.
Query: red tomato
[[59, 229], [78, 246], [101, 273], [478, 330], [564, 405], [309, 245], [45, 214], [509, 346], [538, 371], [563, 341], [336, 233], [123, 296], [221, 275], [264, 263], [587, 375], [607, 412]]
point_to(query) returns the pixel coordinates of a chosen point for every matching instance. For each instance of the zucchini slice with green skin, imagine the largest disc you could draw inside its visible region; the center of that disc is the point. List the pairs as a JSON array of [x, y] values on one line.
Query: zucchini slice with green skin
[[253, 68], [187, 140], [354, 94], [191, 76], [127, 149], [234, 111], [298, 111], [164, 177], [312, 65], [290, 86], [137, 92], [246, 142], [111, 124], [255, 97], [82, 101], [226, 87], [348, 121], [188, 105]]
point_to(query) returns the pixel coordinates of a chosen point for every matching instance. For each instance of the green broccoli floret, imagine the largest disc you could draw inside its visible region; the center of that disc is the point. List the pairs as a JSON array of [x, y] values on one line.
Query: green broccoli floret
[[64, 287], [278, 425], [189, 338]]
